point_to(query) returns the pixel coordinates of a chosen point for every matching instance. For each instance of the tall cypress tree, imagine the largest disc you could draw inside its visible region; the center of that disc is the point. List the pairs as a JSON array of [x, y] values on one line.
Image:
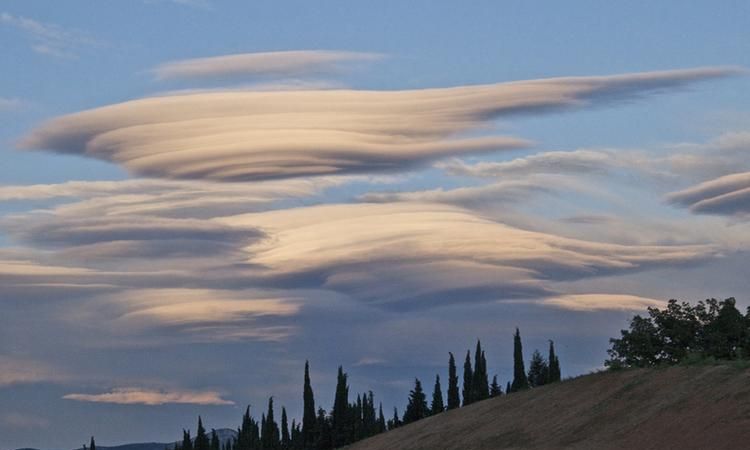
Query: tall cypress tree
[[308, 414], [285, 437], [417, 407], [381, 420], [201, 440], [554, 364], [340, 416], [437, 405], [520, 381], [453, 399], [325, 437], [269, 429], [495, 390], [92, 444], [468, 378], [187, 443], [480, 384]]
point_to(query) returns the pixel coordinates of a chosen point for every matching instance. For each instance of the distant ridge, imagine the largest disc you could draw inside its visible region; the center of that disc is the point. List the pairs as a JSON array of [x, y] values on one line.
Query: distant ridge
[[225, 434], [697, 407]]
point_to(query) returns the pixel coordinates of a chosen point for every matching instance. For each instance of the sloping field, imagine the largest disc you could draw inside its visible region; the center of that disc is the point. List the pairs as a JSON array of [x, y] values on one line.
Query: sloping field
[[706, 407]]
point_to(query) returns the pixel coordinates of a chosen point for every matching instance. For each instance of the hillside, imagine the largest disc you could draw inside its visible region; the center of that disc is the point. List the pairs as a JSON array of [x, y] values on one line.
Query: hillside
[[678, 407]]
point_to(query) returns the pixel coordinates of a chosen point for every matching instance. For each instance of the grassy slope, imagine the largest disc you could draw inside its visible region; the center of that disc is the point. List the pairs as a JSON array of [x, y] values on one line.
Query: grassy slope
[[698, 407]]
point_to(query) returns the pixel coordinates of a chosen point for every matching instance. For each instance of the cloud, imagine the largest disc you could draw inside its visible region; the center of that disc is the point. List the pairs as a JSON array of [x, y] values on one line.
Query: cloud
[[137, 396], [268, 64], [578, 161], [10, 104], [433, 254], [728, 195], [15, 371], [23, 421], [251, 135], [50, 39], [602, 302]]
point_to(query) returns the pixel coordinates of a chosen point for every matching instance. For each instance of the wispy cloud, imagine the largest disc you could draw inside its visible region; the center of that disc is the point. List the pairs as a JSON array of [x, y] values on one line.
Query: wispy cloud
[[136, 396], [284, 64], [15, 370], [50, 39], [283, 134], [10, 104]]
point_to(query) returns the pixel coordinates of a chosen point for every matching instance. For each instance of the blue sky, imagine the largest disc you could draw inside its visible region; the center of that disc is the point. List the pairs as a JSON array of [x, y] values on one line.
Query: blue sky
[[202, 243]]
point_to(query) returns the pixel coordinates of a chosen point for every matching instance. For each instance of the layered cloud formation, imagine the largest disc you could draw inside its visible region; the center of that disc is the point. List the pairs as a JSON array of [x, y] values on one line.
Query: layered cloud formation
[[252, 135], [136, 396]]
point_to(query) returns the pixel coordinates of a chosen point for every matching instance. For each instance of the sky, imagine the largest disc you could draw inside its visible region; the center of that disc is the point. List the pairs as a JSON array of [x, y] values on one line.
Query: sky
[[196, 196]]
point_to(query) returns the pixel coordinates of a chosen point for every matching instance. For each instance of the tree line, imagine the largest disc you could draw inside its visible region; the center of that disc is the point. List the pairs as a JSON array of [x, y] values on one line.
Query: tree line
[[349, 421], [681, 332]]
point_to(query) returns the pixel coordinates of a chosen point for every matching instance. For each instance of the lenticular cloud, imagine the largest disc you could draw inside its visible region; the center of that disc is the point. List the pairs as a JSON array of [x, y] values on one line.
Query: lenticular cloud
[[256, 135]]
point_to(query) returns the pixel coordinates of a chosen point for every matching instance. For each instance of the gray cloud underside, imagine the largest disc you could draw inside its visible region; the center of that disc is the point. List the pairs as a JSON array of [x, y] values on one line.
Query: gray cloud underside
[[250, 135], [267, 64]]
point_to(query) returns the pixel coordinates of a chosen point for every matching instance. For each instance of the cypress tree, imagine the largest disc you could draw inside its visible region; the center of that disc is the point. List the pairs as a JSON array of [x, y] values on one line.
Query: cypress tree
[[308, 415], [453, 399], [201, 440], [538, 370], [495, 390], [340, 419], [437, 405], [215, 444], [520, 381], [507, 388], [395, 422], [285, 437], [381, 420], [187, 443], [325, 436], [417, 407], [269, 429], [480, 386], [554, 364], [468, 378], [92, 444]]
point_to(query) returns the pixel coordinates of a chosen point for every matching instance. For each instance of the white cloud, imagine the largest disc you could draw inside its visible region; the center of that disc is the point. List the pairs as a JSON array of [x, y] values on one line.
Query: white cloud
[[728, 195]]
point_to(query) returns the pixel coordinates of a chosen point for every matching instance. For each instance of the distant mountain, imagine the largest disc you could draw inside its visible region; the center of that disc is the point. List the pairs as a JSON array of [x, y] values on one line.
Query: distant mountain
[[225, 435]]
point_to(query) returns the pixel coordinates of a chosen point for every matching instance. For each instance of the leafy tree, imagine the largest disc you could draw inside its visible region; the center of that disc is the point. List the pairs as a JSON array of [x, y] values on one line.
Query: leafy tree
[[437, 405], [309, 420], [495, 389], [520, 381], [453, 399], [417, 407], [468, 378], [538, 370]]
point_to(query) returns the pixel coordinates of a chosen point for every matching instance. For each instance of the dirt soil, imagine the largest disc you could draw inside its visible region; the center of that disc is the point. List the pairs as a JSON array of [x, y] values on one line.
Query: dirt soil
[[704, 407]]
